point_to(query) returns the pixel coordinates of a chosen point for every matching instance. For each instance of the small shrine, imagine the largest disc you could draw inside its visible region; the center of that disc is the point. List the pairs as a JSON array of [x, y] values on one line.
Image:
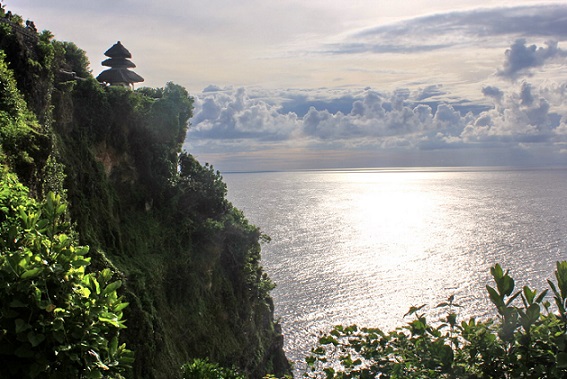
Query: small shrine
[[119, 73]]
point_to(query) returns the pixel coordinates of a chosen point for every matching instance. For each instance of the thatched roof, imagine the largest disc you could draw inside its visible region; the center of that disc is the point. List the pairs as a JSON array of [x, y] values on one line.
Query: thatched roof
[[118, 62], [118, 51], [119, 75]]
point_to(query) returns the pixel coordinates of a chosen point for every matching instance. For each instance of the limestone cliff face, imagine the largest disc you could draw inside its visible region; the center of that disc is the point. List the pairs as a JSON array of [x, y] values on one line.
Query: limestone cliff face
[[190, 260]]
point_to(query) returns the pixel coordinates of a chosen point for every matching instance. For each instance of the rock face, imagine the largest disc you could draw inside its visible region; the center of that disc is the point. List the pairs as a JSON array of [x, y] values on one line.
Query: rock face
[[190, 260]]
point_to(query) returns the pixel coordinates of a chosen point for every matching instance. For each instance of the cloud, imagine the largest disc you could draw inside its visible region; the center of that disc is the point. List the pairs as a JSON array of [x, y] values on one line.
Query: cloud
[[493, 92], [457, 29], [520, 57], [524, 118], [234, 115]]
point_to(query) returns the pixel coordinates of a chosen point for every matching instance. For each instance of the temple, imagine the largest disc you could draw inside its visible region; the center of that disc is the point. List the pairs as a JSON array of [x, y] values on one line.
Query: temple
[[119, 74]]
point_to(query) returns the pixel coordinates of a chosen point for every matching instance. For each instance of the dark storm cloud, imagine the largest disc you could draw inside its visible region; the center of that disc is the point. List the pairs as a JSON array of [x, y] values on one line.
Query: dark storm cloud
[[521, 57], [493, 92], [447, 30]]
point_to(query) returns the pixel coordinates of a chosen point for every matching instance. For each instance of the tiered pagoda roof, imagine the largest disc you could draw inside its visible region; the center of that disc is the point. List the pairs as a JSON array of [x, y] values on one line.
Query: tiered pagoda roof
[[119, 63]]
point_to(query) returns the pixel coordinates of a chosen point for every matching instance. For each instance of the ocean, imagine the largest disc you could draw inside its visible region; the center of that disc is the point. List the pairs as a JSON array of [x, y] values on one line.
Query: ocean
[[362, 246]]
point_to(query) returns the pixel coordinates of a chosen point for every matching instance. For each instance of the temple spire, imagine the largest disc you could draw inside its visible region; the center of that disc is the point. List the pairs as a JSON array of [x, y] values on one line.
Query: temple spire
[[119, 74]]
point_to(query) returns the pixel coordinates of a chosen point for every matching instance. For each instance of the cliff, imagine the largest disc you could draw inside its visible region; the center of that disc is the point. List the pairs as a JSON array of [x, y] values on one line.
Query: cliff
[[190, 261]]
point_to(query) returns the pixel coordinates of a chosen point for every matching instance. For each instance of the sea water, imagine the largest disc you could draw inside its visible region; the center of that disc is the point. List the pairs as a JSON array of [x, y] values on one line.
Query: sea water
[[362, 246]]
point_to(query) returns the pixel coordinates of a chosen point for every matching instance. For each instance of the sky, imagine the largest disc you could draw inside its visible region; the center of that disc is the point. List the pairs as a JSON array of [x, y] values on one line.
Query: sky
[[289, 84]]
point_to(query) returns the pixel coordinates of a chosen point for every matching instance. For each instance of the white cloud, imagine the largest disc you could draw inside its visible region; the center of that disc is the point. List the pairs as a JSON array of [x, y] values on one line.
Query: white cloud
[[524, 117]]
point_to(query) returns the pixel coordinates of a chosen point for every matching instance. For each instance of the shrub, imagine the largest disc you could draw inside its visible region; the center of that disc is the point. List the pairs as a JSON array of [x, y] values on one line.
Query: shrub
[[203, 369], [56, 320], [528, 340]]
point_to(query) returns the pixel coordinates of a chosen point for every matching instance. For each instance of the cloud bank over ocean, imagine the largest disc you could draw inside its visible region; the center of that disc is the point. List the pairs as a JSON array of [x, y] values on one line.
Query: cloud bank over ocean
[[521, 124]]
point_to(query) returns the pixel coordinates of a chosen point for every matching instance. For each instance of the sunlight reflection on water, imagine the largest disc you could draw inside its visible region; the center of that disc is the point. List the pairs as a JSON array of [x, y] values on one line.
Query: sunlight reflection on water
[[363, 246]]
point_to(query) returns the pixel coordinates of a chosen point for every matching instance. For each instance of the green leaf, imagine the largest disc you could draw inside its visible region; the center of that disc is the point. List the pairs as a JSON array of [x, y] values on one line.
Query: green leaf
[[529, 295], [120, 306], [495, 297], [113, 347], [82, 250], [84, 291], [109, 318], [21, 325], [32, 273], [112, 287], [23, 351], [35, 339], [16, 303], [533, 312], [80, 263]]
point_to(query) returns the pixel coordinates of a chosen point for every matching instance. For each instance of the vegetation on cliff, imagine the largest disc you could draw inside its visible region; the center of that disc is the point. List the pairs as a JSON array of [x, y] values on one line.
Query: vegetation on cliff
[[56, 320], [524, 341], [188, 261]]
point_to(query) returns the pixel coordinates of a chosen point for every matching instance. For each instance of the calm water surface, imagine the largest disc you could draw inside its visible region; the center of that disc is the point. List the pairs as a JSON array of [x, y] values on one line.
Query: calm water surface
[[363, 246]]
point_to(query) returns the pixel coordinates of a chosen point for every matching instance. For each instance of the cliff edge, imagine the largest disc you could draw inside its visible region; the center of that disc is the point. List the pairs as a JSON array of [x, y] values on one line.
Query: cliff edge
[[190, 261]]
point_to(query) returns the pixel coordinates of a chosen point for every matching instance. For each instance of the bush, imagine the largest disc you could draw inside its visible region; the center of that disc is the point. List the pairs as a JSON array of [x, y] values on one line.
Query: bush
[[525, 341], [203, 369], [56, 320], [20, 139]]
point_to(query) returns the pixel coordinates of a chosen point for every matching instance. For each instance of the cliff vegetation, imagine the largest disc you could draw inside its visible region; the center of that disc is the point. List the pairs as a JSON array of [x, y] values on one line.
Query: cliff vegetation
[[143, 213]]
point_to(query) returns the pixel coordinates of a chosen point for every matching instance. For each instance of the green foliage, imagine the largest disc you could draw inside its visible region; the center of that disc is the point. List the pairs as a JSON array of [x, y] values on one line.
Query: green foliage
[[19, 129], [56, 320], [195, 284], [203, 369], [202, 190], [30, 57], [169, 114], [527, 340], [75, 59]]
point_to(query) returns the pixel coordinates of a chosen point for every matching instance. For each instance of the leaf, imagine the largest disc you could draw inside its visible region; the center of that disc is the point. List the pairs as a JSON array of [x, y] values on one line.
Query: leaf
[[540, 298], [495, 297], [80, 263], [496, 272], [82, 250], [21, 325], [561, 275], [414, 309], [113, 348], [529, 295], [118, 307], [533, 312], [16, 303], [35, 339], [91, 282], [109, 318], [512, 298], [112, 287], [23, 352], [50, 308], [31, 273], [505, 285], [84, 291]]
